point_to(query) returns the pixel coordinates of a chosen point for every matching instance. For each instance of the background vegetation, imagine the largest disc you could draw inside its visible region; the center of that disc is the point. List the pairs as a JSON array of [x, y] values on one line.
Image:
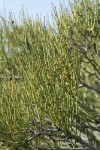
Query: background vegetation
[[50, 80]]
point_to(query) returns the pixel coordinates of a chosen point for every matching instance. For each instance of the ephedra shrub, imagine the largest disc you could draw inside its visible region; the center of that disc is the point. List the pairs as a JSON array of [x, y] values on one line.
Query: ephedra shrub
[[40, 77]]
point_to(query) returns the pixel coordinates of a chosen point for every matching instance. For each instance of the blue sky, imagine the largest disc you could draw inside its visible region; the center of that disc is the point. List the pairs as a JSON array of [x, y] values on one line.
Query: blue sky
[[33, 7]]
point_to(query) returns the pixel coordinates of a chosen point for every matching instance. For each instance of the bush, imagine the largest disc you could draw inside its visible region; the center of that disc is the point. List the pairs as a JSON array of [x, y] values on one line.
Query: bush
[[45, 75]]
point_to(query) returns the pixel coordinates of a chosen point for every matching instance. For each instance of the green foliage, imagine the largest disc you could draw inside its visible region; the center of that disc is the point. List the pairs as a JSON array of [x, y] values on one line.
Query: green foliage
[[40, 73]]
